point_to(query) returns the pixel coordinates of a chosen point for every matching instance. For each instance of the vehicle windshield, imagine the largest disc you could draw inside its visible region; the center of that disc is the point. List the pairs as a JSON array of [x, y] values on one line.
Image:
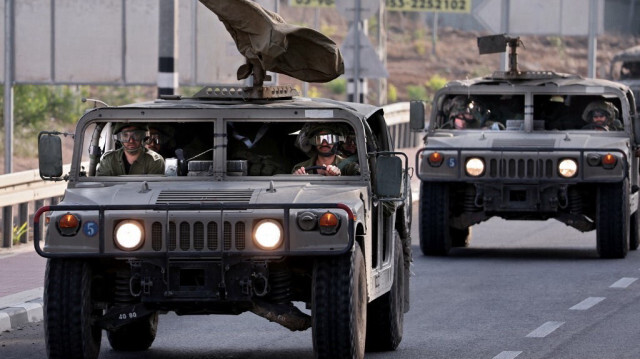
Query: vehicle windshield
[[164, 148], [550, 112]]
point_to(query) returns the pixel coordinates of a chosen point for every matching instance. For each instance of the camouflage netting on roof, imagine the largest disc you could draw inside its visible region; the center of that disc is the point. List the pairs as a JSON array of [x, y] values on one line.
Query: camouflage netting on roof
[[270, 44]]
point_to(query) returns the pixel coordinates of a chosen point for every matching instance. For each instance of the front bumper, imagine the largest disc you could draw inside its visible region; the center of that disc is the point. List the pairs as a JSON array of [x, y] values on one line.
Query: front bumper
[[517, 165], [188, 231]]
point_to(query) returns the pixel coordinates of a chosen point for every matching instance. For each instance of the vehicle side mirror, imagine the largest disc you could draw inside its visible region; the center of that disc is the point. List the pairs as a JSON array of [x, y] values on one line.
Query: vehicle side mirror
[[416, 115], [389, 172], [50, 156]]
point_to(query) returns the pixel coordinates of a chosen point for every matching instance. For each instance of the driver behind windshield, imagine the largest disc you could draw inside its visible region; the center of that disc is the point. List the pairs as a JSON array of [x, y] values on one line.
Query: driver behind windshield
[[601, 115], [132, 158], [325, 141]]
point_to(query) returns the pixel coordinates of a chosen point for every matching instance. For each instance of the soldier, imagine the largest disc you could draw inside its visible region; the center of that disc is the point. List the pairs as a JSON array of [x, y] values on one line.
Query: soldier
[[601, 115], [324, 140], [348, 150], [132, 158], [464, 112], [161, 140]]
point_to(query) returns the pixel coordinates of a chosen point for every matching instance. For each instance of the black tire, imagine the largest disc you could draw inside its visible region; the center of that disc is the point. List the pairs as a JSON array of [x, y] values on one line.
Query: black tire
[[386, 314], [69, 311], [435, 239], [339, 306], [634, 233], [136, 336], [612, 220]]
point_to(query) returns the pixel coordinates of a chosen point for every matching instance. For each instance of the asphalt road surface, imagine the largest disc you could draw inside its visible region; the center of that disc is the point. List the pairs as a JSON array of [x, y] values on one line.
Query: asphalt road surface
[[521, 290]]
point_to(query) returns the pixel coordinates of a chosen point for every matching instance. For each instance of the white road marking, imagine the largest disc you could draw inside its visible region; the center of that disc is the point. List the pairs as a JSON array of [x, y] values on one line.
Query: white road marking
[[507, 355], [623, 282], [587, 303], [545, 329]]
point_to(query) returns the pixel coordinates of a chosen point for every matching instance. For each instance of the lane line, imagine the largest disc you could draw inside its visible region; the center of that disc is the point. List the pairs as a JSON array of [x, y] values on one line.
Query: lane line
[[587, 303], [545, 329], [507, 355], [623, 282]]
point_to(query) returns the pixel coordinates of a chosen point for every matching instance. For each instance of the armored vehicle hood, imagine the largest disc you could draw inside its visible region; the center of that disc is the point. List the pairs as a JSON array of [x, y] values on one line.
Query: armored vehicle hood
[[213, 192]]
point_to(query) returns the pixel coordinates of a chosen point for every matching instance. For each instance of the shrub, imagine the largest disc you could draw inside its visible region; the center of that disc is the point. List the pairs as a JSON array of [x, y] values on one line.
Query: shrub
[[392, 93], [436, 82], [417, 92], [338, 86]]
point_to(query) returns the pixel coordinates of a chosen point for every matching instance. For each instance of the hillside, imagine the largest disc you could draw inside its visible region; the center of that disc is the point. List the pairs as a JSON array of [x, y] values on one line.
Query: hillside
[[412, 60]]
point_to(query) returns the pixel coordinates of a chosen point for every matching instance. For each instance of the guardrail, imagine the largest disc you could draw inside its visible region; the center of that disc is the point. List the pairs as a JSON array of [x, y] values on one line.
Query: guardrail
[[28, 192]]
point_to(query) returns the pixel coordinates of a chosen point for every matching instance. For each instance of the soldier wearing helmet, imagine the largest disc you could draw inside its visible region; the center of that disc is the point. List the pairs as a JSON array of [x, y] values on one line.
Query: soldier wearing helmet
[[324, 140], [132, 158], [161, 140], [462, 113], [601, 115]]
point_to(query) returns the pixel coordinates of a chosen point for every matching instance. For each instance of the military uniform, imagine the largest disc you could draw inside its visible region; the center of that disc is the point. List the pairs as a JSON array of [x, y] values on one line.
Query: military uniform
[[112, 164], [347, 168]]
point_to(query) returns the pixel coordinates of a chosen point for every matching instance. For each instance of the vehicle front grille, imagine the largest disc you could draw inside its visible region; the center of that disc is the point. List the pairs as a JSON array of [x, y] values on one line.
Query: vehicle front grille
[[195, 236], [520, 168], [191, 196]]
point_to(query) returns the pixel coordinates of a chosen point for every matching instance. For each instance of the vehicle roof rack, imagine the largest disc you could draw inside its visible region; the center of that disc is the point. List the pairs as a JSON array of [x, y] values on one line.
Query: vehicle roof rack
[[246, 93]]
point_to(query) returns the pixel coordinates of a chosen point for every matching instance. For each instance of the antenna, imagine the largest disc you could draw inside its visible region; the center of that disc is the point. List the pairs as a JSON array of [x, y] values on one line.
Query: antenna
[[95, 102]]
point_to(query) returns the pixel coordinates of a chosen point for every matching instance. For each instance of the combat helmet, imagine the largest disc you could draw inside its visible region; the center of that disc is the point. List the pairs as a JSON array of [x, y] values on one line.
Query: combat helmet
[[118, 126], [305, 141], [604, 106]]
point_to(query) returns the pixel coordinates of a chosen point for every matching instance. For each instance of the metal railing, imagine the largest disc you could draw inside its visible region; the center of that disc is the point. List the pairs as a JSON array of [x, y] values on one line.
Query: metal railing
[[26, 191]]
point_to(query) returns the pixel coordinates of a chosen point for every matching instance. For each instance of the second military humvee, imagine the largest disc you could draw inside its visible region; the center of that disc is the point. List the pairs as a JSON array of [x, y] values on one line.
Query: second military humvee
[[625, 68], [531, 156]]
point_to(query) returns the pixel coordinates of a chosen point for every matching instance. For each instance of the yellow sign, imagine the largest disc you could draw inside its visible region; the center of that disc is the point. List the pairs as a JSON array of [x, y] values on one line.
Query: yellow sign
[[313, 3], [429, 5]]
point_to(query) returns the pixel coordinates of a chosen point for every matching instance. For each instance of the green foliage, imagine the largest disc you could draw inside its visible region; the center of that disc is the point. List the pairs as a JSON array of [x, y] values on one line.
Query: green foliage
[[392, 93], [313, 92], [436, 82], [18, 232], [328, 30], [558, 43], [420, 46], [420, 34], [417, 92], [36, 105], [338, 86]]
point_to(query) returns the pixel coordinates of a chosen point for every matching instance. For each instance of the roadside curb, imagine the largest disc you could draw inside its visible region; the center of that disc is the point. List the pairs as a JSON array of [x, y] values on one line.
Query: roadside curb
[[29, 310]]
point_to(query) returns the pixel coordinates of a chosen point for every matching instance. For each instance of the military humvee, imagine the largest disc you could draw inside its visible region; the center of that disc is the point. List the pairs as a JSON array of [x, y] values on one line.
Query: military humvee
[[625, 68], [216, 234], [531, 156], [220, 225]]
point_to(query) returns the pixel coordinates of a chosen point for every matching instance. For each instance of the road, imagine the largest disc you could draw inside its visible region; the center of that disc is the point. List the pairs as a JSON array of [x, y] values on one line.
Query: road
[[521, 290]]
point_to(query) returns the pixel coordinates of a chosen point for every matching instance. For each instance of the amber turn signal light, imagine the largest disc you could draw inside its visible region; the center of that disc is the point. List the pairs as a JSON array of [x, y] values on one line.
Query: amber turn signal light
[[68, 221], [435, 159], [329, 223], [609, 160]]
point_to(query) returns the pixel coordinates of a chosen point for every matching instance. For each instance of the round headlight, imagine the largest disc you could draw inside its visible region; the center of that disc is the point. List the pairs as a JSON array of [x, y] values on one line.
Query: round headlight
[[474, 167], [268, 234], [129, 235], [567, 168]]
